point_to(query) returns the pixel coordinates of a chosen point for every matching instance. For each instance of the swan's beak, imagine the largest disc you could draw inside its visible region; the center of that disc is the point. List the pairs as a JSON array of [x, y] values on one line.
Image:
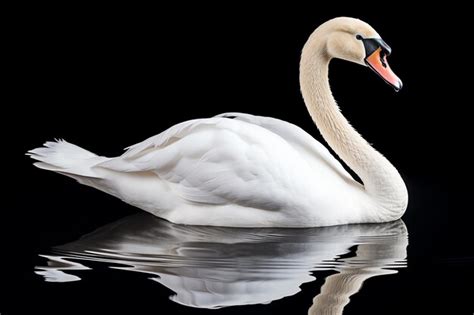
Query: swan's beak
[[376, 52], [377, 61]]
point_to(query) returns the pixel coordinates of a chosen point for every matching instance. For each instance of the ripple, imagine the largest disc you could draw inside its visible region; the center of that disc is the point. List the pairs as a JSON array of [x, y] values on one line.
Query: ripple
[[209, 267]]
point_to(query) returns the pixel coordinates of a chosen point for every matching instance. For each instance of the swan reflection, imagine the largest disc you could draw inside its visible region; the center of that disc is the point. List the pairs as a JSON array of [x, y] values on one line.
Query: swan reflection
[[212, 267]]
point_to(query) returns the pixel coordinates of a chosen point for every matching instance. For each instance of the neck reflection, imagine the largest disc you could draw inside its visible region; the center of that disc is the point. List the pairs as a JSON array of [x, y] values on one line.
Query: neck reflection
[[212, 267]]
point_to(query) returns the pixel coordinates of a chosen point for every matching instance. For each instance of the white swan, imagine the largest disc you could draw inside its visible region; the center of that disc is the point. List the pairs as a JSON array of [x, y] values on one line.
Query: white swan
[[249, 171]]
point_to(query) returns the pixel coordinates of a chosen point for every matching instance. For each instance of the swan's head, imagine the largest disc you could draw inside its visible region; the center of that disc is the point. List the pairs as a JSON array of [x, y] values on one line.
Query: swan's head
[[354, 40]]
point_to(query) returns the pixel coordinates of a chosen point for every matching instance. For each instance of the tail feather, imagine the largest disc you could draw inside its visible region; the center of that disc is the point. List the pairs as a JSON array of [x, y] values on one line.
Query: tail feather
[[65, 158]]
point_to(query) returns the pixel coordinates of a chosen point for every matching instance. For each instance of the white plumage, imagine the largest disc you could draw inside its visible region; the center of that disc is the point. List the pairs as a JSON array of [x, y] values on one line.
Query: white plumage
[[240, 170]]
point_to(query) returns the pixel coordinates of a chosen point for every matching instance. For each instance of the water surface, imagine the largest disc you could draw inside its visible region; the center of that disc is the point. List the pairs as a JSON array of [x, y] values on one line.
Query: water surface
[[215, 267]]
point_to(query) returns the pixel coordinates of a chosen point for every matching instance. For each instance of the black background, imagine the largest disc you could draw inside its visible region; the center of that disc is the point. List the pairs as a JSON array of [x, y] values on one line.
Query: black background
[[105, 78]]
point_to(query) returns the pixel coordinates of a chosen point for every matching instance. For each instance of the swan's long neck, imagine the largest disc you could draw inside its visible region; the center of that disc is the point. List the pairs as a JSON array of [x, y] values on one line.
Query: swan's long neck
[[381, 180]]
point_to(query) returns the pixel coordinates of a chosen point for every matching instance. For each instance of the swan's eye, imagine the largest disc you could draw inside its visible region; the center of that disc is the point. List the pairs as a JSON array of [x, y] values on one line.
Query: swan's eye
[[359, 37]]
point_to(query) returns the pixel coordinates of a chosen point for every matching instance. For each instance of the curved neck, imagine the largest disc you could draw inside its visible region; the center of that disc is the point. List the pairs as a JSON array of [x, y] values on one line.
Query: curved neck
[[381, 180], [338, 288]]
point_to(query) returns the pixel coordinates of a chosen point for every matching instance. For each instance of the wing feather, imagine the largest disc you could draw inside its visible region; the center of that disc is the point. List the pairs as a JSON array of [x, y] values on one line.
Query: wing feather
[[168, 136], [252, 161], [296, 136]]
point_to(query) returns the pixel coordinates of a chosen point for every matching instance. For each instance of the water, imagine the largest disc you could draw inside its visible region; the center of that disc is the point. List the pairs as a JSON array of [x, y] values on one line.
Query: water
[[138, 264], [208, 267]]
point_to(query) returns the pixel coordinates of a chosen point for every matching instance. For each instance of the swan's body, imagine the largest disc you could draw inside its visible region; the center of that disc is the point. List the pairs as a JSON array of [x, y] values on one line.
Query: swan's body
[[249, 171]]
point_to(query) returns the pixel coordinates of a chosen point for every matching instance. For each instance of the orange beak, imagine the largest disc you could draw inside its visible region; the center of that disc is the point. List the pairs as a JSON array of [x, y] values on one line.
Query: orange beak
[[377, 61]]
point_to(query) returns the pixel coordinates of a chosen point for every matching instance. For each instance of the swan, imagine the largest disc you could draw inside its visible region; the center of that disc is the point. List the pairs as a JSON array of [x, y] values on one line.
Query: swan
[[240, 170]]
